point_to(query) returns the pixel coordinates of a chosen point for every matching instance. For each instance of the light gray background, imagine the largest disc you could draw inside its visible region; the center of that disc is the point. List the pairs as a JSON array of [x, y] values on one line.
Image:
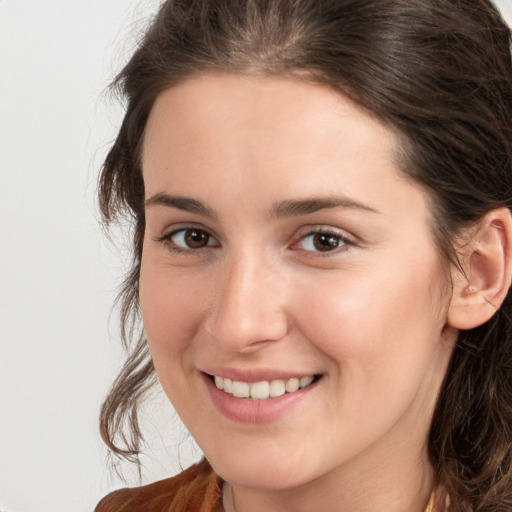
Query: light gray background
[[59, 350], [58, 274]]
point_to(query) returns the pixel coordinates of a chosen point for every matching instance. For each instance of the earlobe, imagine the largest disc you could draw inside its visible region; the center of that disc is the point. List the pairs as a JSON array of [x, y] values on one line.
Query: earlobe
[[486, 258]]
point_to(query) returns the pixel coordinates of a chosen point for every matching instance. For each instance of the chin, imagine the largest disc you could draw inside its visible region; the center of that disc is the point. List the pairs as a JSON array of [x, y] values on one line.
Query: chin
[[261, 479], [271, 473]]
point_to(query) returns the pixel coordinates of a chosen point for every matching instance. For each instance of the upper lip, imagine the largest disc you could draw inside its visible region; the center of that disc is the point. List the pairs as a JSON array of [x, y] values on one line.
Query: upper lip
[[255, 375]]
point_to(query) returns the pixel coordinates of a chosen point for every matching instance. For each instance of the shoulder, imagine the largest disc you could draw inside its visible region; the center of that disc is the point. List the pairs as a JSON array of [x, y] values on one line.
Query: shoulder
[[196, 489]]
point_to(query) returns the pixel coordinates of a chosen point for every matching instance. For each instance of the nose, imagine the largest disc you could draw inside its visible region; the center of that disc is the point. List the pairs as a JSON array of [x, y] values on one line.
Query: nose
[[248, 310]]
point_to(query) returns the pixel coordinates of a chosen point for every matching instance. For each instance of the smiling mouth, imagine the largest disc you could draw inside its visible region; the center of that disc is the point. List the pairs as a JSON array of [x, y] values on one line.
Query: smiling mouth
[[263, 390]]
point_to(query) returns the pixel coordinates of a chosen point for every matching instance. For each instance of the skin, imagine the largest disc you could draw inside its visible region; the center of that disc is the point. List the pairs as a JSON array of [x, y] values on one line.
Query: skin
[[369, 316]]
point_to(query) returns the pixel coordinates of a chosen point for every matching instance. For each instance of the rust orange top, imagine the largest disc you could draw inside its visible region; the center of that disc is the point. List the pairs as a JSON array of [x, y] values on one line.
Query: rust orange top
[[197, 489]]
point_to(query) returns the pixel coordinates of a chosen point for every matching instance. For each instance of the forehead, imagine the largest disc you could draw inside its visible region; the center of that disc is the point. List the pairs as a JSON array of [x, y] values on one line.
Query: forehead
[[246, 136], [222, 108]]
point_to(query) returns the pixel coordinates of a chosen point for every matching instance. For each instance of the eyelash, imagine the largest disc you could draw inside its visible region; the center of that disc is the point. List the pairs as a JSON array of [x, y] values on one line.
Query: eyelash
[[343, 241]]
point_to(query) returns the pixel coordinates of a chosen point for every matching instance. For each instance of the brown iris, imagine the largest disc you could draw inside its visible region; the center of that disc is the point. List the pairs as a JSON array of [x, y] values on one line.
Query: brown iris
[[196, 238], [325, 242]]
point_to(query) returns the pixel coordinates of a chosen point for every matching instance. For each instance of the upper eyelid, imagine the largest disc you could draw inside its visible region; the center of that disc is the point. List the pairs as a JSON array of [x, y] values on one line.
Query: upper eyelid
[[342, 233], [175, 228], [337, 234]]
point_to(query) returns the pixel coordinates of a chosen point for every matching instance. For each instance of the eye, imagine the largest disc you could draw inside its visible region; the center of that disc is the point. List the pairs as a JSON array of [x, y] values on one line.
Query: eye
[[322, 241], [189, 239]]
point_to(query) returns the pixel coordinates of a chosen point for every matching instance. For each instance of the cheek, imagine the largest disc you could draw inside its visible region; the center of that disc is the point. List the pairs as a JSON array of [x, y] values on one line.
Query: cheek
[[377, 320], [170, 306], [382, 338]]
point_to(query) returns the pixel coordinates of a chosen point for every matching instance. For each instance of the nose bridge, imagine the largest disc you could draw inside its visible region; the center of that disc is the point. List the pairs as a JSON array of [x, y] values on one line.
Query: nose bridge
[[249, 308]]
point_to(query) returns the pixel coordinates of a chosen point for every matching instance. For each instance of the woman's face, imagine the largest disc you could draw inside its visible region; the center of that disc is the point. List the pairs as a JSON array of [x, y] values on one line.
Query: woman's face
[[283, 247]]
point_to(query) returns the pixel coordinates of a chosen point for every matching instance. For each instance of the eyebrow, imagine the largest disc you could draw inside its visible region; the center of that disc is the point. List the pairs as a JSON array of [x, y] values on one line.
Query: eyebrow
[[181, 203], [292, 208], [282, 209]]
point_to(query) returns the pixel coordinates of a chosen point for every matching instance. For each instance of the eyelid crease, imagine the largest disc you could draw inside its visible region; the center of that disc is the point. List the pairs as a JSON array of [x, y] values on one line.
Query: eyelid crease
[[180, 226], [329, 230]]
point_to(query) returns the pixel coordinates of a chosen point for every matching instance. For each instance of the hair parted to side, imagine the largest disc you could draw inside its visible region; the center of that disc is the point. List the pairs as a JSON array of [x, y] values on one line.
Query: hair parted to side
[[438, 72]]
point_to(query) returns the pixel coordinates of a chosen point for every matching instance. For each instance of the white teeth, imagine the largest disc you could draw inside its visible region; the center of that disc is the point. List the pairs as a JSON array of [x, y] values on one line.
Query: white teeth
[[264, 389], [219, 382], [228, 386], [241, 389], [305, 381], [277, 388], [292, 385], [260, 390]]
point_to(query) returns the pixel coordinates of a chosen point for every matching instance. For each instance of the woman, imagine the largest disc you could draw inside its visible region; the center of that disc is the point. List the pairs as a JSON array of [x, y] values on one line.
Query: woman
[[321, 197]]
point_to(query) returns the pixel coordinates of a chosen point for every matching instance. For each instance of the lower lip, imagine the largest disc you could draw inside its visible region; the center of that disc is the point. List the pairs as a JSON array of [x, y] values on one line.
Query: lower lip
[[255, 412]]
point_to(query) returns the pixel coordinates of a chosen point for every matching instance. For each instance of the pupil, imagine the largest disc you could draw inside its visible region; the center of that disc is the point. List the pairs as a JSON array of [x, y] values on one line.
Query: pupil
[[325, 242], [196, 238]]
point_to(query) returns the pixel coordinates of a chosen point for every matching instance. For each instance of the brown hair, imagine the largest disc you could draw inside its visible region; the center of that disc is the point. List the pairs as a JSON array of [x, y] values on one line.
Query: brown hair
[[440, 73]]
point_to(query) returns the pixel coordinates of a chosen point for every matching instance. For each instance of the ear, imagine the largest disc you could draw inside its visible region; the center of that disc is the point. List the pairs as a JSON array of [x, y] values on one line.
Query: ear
[[486, 258]]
